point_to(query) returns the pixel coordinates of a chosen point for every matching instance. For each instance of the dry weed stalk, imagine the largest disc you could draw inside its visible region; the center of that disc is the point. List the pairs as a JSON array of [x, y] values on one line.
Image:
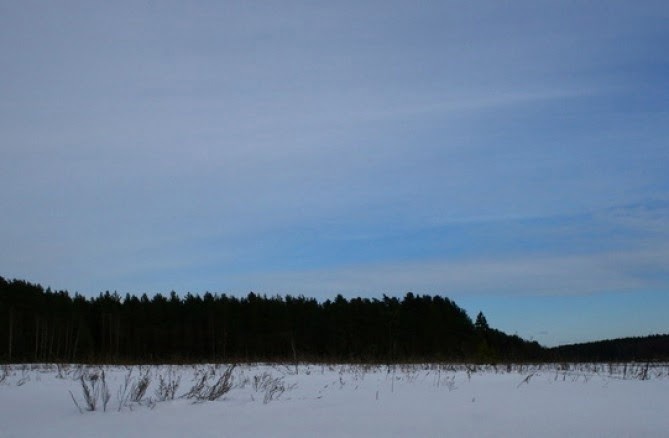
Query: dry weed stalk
[[203, 391], [167, 387]]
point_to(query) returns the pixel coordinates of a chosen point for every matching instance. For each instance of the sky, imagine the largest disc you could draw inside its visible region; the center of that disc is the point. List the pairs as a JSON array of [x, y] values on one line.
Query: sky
[[512, 156]]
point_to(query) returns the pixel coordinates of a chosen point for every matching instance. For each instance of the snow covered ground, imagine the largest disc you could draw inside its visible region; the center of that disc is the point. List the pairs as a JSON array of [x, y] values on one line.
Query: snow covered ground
[[337, 401]]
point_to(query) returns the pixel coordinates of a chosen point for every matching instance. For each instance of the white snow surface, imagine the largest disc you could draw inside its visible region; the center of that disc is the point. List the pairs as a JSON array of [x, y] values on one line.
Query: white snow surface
[[430, 400]]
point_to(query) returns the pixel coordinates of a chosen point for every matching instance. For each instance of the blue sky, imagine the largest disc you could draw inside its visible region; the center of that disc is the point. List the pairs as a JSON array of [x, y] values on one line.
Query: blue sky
[[510, 155]]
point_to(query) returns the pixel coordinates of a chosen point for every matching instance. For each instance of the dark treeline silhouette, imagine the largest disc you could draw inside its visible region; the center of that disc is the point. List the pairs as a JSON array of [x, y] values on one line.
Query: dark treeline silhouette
[[640, 349], [38, 325]]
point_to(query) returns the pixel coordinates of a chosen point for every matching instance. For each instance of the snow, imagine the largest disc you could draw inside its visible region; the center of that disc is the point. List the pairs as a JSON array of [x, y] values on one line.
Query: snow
[[346, 401]]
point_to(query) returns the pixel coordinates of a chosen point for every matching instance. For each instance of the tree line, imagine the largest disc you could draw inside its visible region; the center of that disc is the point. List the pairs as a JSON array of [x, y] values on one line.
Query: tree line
[[653, 347], [41, 325]]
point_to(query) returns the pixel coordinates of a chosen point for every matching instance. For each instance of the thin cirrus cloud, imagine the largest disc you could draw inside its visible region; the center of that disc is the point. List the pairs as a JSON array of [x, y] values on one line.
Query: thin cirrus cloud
[[552, 275]]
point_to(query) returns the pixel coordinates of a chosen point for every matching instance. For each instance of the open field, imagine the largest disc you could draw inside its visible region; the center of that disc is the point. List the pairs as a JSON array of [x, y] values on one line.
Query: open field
[[619, 400]]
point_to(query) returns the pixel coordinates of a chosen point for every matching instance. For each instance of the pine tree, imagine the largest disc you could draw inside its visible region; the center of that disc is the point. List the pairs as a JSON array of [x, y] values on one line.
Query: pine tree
[[481, 323]]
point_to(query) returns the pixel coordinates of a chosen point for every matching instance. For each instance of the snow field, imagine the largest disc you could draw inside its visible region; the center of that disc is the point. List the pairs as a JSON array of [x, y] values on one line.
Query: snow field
[[427, 400]]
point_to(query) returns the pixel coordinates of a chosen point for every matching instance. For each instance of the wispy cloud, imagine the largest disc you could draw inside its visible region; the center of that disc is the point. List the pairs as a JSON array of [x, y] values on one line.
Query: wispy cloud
[[546, 275], [463, 104]]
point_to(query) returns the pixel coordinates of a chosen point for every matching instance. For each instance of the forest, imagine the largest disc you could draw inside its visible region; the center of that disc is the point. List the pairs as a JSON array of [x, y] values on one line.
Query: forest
[[41, 325], [653, 347]]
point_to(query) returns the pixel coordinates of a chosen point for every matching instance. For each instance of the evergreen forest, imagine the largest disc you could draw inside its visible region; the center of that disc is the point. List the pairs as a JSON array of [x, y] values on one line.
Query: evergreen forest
[[41, 325]]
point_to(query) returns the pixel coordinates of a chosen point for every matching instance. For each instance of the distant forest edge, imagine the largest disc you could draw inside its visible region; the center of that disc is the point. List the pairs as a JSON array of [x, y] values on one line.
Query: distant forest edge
[[38, 325], [654, 347]]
